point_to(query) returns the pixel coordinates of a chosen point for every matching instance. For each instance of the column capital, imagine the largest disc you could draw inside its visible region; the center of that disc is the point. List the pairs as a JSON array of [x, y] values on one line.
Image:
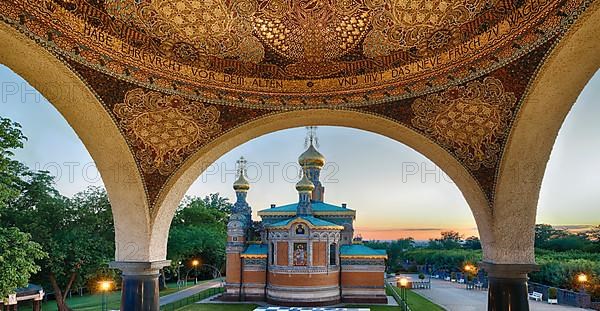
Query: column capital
[[508, 271], [139, 267]]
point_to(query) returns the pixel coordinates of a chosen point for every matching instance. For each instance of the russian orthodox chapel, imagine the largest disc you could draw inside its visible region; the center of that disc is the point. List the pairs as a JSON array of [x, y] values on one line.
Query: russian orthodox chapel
[[303, 253]]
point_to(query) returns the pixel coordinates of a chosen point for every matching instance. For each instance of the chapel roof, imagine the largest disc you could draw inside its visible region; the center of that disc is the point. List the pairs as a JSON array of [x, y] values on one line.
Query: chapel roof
[[255, 250], [360, 250], [319, 208], [311, 220]]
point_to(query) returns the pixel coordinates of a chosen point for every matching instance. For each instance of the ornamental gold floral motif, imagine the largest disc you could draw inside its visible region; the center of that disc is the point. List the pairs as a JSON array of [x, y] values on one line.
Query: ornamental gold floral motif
[[190, 28], [470, 120], [313, 34], [404, 24], [164, 129]]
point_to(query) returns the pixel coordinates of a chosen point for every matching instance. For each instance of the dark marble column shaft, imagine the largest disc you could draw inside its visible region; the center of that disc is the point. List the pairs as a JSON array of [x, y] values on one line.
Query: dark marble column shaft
[[507, 286], [139, 290]]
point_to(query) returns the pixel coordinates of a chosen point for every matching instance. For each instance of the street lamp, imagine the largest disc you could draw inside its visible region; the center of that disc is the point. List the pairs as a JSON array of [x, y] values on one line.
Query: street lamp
[[470, 273], [105, 287], [178, 274], [582, 278], [195, 264], [403, 286]]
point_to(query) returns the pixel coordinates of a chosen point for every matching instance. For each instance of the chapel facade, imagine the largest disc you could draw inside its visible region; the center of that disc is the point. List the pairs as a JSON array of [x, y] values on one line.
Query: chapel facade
[[304, 253]]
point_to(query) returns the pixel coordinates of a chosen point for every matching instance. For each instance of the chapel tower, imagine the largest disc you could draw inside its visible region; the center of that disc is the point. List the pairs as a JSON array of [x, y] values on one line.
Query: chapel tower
[[237, 231], [312, 162]]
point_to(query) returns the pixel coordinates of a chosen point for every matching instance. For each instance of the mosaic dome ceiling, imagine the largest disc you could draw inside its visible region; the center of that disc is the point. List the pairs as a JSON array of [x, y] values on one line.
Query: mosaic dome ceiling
[[295, 53], [454, 71]]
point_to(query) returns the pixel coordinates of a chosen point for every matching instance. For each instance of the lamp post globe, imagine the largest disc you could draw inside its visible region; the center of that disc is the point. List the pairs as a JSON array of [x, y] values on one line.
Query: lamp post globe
[[104, 288], [582, 278], [195, 264]]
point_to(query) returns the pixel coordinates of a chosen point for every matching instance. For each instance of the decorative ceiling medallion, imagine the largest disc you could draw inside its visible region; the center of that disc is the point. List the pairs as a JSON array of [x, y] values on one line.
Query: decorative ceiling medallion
[[187, 28], [470, 120], [164, 129]]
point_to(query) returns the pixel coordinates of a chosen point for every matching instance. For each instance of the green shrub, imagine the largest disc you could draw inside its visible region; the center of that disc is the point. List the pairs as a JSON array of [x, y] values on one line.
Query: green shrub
[[421, 276], [552, 292]]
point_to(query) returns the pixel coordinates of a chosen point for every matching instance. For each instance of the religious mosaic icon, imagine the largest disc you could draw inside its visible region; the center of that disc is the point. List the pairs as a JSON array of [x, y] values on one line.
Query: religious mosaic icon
[[300, 254], [165, 129], [300, 230]]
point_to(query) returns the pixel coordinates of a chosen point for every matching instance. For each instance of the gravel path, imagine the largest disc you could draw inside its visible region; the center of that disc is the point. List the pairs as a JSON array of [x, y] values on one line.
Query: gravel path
[[189, 292]]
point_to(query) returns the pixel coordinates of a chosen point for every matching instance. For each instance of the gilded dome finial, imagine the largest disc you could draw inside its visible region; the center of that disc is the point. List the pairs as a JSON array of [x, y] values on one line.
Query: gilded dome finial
[[311, 157], [305, 185], [241, 184]]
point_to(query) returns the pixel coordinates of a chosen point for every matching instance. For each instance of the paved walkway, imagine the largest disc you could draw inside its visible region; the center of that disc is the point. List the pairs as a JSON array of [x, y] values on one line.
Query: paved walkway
[[454, 297], [182, 294]]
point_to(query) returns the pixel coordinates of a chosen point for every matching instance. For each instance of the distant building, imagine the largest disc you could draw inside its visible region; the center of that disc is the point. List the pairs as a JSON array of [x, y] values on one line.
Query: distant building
[[302, 253]]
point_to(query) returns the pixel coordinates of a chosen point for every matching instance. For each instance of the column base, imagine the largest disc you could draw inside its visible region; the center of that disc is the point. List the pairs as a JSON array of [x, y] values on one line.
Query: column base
[[508, 286], [139, 290]]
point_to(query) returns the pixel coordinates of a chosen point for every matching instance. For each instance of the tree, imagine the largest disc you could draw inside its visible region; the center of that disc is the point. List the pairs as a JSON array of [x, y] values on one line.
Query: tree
[[449, 240], [199, 231], [472, 242], [545, 233], [18, 254], [212, 209], [217, 202], [569, 242], [17, 259], [394, 250], [77, 234], [11, 170]]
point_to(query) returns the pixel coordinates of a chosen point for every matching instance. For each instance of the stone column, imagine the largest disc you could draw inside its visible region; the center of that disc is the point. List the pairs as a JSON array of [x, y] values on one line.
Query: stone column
[[508, 286], [139, 290]]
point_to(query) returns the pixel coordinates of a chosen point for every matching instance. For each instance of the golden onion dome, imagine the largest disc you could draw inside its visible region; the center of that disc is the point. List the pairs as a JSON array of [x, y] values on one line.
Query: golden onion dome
[[241, 184], [311, 158], [305, 185]]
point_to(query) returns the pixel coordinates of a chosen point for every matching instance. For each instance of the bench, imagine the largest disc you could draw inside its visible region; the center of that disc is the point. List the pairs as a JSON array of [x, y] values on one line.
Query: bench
[[535, 296]]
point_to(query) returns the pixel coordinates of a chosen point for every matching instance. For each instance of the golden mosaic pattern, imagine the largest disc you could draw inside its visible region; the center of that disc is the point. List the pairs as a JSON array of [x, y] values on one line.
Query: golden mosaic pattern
[[251, 53], [311, 33], [404, 24], [469, 119], [188, 28], [164, 128]]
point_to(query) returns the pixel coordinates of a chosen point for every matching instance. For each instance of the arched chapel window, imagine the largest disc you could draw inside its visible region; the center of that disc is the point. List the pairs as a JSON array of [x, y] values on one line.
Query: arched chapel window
[[332, 254]]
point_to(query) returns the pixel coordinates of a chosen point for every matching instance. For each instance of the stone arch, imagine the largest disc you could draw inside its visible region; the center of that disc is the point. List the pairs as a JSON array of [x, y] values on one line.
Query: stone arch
[[551, 95], [100, 135], [194, 166]]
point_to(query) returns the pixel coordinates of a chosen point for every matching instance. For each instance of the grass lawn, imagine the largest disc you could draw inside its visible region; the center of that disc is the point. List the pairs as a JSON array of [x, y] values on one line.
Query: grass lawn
[[376, 308], [417, 302], [219, 307], [250, 307], [93, 302]]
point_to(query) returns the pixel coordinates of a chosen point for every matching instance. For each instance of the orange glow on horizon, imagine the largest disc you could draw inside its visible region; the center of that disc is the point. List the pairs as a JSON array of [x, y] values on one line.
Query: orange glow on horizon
[[417, 234]]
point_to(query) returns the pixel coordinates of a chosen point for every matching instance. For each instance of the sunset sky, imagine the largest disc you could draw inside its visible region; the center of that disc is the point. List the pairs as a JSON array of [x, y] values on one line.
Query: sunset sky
[[367, 171]]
